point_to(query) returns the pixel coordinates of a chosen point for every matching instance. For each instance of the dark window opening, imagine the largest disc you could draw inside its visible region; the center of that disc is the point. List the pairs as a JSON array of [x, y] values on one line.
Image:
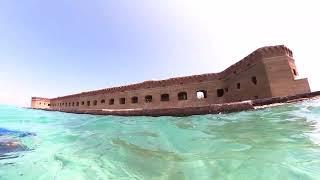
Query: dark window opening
[[220, 92], [254, 80], [77, 104], [88, 103], [40, 103], [226, 89], [82, 103], [72, 103], [95, 102], [164, 97], [294, 72], [238, 85], [69, 103], [182, 96], [201, 94], [148, 99], [134, 100], [103, 101], [122, 100], [49, 105], [111, 101]]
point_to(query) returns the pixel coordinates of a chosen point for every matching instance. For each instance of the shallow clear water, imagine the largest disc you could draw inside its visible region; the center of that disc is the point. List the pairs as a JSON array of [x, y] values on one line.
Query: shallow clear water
[[275, 143]]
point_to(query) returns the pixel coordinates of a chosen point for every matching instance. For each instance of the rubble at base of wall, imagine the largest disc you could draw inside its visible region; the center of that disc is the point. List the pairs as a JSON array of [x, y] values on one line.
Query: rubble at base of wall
[[188, 111], [284, 99], [185, 111]]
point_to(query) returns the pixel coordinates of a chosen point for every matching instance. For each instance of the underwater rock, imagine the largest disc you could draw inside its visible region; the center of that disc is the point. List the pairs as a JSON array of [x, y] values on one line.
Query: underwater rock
[[7, 132], [9, 145]]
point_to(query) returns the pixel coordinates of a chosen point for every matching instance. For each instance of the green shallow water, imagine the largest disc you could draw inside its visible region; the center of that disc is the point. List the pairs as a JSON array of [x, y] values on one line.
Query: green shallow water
[[275, 143]]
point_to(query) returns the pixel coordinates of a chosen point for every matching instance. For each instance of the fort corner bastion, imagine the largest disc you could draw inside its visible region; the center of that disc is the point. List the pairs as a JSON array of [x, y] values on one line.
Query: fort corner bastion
[[268, 74]]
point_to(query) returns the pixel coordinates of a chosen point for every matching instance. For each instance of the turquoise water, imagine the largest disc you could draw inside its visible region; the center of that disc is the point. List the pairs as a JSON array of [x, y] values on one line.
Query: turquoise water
[[275, 143]]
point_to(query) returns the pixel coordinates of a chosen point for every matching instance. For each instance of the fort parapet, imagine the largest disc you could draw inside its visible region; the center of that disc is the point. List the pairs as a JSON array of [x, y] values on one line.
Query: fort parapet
[[266, 73]]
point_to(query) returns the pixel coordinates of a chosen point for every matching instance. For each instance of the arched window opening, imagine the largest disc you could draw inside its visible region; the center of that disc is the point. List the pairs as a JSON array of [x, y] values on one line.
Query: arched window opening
[[111, 102], [122, 100], [69, 103], [134, 100], [164, 97], [88, 103], [103, 101], [201, 94], [77, 104], [148, 99], [238, 85], [254, 80], [82, 103], [95, 102], [182, 96], [72, 103], [220, 92], [294, 72]]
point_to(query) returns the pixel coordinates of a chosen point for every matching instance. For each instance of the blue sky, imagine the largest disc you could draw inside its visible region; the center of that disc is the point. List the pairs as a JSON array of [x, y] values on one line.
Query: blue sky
[[54, 48]]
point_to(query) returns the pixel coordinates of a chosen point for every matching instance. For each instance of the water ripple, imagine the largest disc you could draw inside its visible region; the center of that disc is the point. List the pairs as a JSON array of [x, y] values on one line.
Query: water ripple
[[274, 143]]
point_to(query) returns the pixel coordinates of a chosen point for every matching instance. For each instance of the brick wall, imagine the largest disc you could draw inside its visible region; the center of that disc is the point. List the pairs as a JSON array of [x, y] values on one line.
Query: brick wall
[[267, 72], [40, 103]]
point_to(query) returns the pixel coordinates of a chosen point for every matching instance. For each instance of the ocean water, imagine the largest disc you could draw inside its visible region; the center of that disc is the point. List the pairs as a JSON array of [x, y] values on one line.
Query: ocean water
[[275, 143]]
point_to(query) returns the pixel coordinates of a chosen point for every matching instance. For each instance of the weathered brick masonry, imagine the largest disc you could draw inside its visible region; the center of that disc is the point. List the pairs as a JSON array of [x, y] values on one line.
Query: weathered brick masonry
[[266, 73]]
